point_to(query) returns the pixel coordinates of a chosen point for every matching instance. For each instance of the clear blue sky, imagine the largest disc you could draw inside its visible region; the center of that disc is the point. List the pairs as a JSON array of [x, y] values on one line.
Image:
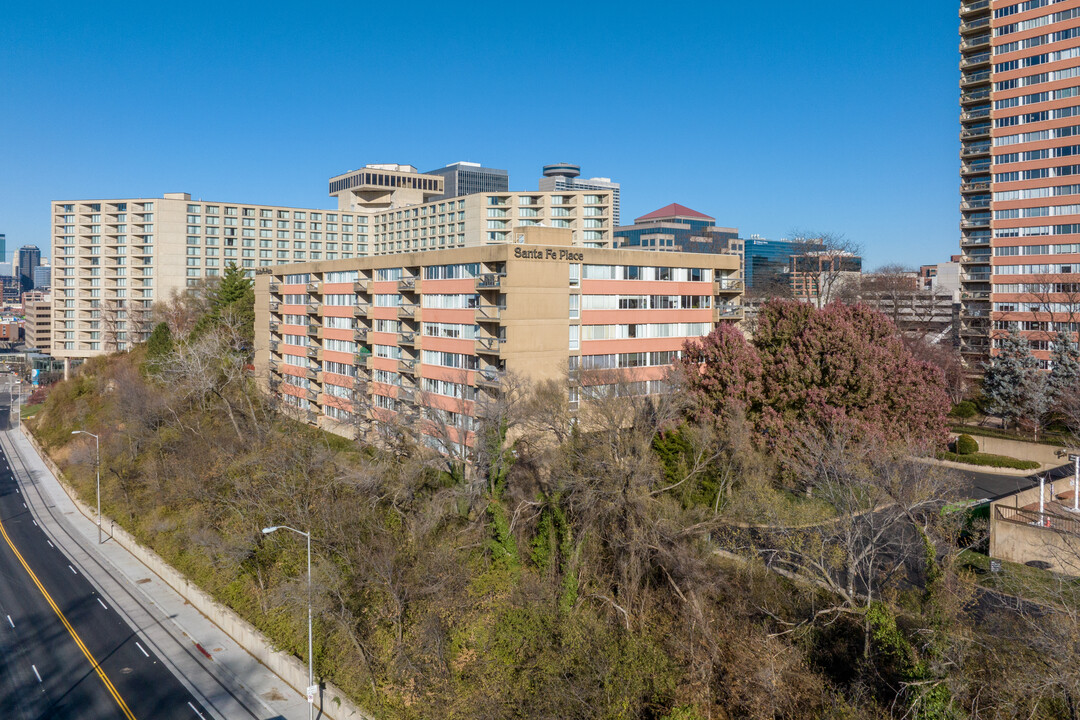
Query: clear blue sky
[[770, 116]]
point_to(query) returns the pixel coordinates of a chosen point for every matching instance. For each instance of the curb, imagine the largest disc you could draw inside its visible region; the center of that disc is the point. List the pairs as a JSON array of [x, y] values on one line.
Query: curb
[[289, 669]]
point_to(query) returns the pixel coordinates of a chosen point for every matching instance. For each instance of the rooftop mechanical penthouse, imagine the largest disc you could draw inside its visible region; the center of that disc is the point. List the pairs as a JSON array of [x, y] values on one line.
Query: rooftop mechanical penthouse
[[425, 336]]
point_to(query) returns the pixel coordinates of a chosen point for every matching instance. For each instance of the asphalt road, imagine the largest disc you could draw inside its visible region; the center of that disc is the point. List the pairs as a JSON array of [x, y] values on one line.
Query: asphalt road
[[979, 485], [65, 654]]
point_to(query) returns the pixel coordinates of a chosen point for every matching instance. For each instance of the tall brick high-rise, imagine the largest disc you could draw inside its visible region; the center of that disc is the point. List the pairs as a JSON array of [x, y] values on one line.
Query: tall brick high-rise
[[1019, 172]]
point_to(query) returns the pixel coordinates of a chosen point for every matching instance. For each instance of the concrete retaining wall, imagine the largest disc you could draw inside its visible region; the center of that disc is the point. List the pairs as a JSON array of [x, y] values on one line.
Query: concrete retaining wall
[[1023, 543], [290, 669], [1020, 450]]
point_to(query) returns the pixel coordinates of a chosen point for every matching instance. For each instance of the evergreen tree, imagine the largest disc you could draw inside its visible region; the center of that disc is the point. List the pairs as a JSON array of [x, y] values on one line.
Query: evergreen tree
[[234, 287], [1064, 365], [158, 345], [234, 295], [1010, 377]]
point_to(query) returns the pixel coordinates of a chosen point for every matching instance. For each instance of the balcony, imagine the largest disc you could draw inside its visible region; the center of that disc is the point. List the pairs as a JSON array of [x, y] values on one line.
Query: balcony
[[973, 26], [981, 312], [981, 259], [360, 335], [973, 7], [973, 187], [974, 168], [977, 41], [489, 345], [975, 204], [361, 286], [974, 150], [975, 223], [725, 286], [275, 306], [407, 339], [274, 345], [489, 313], [729, 311], [314, 288], [489, 378], [974, 96], [975, 295], [975, 114], [410, 285], [311, 417], [489, 281], [407, 311], [314, 307], [275, 327], [362, 360], [406, 366], [974, 61], [979, 346], [406, 395], [312, 395], [975, 78], [975, 132], [975, 277], [970, 329], [311, 374], [361, 310], [274, 287], [313, 330], [313, 352]]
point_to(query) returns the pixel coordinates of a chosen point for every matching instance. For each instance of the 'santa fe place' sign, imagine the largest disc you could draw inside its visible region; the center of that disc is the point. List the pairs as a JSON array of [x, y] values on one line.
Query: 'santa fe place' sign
[[548, 254]]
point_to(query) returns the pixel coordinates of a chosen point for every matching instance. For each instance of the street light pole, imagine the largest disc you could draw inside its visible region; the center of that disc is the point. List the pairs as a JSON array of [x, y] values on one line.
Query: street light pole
[[310, 671], [97, 466]]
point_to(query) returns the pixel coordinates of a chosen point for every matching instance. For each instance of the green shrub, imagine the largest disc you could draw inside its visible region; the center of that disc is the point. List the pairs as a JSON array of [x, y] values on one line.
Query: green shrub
[[965, 409], [990, 460], [966, 445]]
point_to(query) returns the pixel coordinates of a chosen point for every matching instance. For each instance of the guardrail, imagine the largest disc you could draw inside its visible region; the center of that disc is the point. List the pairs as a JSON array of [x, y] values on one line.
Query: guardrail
[[1045, 520]]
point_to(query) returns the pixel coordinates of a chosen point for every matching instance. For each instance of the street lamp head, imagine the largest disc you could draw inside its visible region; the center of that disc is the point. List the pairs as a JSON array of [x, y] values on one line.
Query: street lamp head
[[268, 530]]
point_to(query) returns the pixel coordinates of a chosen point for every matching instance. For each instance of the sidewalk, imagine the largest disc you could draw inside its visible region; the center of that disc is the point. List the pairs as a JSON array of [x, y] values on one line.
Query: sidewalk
[[990, 470], [220, 672]]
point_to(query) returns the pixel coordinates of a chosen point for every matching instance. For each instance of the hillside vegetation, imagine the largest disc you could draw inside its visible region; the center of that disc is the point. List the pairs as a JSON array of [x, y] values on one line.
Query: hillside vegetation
[[652, 560]]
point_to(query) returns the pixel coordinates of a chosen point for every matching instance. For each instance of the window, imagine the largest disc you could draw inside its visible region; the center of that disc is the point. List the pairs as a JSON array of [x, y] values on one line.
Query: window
[[451, 360]]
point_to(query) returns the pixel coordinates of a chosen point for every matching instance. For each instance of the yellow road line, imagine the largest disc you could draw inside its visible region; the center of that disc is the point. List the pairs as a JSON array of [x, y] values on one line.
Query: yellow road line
[[74, 635]]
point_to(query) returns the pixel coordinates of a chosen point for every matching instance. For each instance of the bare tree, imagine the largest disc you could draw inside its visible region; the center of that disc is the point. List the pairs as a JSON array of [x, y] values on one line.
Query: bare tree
[[822, 263], [449, 423], [886, 509], [184, 308], [214, 366]]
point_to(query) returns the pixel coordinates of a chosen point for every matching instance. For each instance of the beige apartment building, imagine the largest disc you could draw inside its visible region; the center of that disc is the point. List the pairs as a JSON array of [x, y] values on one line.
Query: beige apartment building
[[427, 335], [405, 218], [112, 259], [37, 328]]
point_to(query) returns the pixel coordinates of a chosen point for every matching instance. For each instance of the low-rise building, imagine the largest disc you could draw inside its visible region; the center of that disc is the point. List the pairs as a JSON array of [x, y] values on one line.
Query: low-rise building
[[428, 334], [37, 328], [677, 228], [10, 330]]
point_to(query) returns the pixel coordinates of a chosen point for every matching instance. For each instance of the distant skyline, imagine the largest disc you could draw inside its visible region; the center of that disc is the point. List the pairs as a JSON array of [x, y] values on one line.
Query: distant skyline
[[770, 117]]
